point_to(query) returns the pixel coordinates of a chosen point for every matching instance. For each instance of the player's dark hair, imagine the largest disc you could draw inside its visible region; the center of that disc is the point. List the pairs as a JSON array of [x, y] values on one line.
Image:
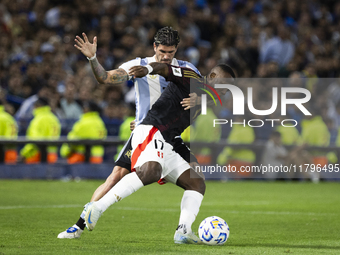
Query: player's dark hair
[[42, 101], [276, 134], [92, 106], [167, 37], [227, 69]]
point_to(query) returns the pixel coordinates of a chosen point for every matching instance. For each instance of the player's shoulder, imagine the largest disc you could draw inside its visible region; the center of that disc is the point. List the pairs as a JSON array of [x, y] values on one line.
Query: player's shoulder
[[131, 62], [148, 60], [182, 63]]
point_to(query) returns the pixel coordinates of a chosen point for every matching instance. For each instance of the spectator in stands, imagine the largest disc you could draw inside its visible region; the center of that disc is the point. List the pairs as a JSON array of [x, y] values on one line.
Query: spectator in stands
[[112, 117], [33, 80], [25, 112], [202, 132], [113, 95], [8, 130], [334, 114], [288, 135], [90, 126], [278, 49], [274, 155], [239, 134], [126, 127], [314, 132], [45, 125], [337, 143], [86, 94], [68, 108], [69, 105], [16, 88]]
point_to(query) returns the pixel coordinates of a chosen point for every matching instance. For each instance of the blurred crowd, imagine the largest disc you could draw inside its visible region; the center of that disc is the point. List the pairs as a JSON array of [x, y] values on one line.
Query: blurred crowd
[[258, 38]]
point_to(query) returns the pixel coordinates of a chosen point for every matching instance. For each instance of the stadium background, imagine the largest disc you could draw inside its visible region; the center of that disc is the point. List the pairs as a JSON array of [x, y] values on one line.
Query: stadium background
[[37, 49]]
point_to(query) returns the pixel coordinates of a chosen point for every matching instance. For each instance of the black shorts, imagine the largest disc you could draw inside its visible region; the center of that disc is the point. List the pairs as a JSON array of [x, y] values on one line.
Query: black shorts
[[124, 157], [183, 150]]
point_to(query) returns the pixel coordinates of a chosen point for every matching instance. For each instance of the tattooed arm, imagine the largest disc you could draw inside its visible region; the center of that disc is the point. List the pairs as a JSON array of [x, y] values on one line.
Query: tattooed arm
[[141, 71], [102, 76], [112, 77]]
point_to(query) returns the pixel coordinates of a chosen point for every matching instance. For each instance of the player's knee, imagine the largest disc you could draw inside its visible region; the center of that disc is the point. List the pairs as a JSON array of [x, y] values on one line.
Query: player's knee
[[200, 186], [190, 180], [196, 184], [117, 174], [149, 172], [112, 180]]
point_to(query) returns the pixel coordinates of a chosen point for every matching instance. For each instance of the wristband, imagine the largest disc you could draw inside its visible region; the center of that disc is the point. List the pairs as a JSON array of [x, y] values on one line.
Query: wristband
[[92, 58], [150, 69]]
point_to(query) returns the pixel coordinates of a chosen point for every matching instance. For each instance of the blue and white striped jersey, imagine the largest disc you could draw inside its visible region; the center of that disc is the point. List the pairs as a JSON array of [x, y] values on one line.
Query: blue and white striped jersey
[[149, 88]]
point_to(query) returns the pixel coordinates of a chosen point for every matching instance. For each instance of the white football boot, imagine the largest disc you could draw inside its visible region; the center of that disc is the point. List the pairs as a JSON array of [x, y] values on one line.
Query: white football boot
[[70, 233], [182, 236]]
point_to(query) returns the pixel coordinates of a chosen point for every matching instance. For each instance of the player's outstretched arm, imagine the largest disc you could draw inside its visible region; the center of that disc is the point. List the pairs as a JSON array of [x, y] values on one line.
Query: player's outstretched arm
[[102, 76], [156, 68]]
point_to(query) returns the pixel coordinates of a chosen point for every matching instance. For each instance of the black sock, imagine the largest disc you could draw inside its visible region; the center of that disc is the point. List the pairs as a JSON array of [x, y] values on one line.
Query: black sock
[[81, 223]]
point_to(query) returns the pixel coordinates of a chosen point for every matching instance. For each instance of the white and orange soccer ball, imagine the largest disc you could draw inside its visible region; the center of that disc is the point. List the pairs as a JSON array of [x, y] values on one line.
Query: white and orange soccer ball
[[213, 231]]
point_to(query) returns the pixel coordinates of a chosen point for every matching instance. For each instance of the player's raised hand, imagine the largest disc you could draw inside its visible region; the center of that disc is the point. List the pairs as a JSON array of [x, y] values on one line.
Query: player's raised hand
[[189, 102], [138, 71], [87, 48]]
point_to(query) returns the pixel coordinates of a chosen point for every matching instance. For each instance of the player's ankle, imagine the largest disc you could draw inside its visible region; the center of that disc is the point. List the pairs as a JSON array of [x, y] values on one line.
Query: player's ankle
[[183, 229], [80, 224]]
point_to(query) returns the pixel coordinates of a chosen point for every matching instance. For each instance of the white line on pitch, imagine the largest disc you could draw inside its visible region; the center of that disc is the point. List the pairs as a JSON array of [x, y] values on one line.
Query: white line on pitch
[[238, 203], [169, 210], [37, 206]]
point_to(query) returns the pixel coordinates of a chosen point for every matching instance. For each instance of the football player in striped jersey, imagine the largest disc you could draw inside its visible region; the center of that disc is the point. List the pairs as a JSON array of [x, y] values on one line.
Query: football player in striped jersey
[[147, 90]]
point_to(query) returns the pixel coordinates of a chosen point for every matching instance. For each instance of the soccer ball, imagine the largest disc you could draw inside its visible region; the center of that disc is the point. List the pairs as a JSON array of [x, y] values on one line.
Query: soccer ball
[[213, 231]]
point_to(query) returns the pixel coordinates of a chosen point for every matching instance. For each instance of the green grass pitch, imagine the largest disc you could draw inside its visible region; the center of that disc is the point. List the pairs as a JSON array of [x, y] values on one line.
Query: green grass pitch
[[264, 218]]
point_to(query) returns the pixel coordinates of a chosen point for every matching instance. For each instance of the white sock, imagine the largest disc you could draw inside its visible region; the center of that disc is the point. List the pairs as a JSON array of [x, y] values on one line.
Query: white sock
[[129, 184], [82, 215], [190, 205]]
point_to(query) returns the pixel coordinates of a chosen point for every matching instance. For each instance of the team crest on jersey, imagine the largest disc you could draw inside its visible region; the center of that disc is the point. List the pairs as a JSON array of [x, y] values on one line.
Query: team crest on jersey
[[176, 71], [128, 154], [152, 76]]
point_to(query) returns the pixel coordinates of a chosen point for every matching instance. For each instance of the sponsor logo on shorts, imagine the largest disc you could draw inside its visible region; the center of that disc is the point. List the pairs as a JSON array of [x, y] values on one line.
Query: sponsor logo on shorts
[[128, 154]]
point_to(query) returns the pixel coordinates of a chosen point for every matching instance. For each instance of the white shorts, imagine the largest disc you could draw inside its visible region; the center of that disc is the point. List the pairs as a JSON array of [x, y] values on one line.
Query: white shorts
[[148, 144]]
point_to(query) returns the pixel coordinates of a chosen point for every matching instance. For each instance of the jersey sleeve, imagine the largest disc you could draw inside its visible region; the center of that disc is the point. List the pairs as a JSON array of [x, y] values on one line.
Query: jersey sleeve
[[127, 65], [187, 64], [182, 76]]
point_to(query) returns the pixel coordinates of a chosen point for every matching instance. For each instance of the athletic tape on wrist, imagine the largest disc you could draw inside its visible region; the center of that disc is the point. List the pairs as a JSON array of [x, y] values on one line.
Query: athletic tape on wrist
[[150, 69], [92, 58]]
